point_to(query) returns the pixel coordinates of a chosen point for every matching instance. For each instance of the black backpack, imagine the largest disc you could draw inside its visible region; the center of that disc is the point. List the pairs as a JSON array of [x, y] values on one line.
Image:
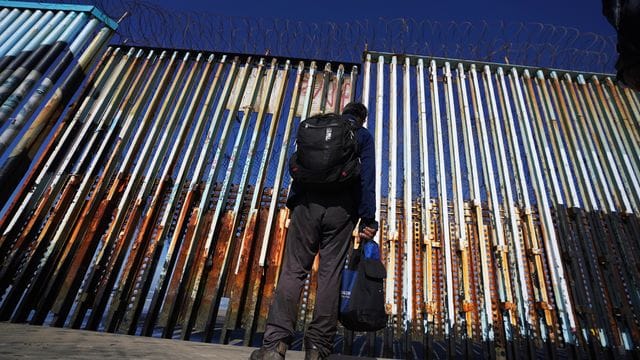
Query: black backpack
[[327, 153], [361, 292]]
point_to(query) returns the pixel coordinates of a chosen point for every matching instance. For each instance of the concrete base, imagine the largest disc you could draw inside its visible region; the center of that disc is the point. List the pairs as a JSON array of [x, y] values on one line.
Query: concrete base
[[20, 341]]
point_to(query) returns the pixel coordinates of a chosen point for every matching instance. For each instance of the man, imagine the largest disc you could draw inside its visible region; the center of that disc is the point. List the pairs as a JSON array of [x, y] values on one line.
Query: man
[[321, 221], [624, 15]]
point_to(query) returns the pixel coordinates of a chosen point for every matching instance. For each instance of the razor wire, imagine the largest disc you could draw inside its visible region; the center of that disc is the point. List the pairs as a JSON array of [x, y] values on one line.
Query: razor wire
[[521, 43]]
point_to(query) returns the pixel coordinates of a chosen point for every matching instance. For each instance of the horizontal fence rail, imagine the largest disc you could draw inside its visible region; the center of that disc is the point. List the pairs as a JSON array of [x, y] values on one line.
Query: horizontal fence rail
[[508, 199]]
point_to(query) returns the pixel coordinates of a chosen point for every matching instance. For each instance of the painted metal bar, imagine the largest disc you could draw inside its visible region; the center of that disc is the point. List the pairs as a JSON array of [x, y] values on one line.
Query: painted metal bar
[[116, 205], [353, 80], [15, 25], [13, 169], [274, 234], [515, 255], [626, 152], [182, 284], [211, 283], [9, 50], [133, 298], [80, 182], [48, 181], [459, 222], [3, 13], [378, 140], [43, 56], [33, 42], [392, 232], [61, 181], [569, 235], [496, 228], [337, 96], [232, 218], [37, 96], [530, 235], [425, 195], [9, 19], [255, 279], [408, 288], [280, 168], [28, 194], [94, 11], [549, 113], [120, 232], [518, 254], [143, 236], [628, 111], [246, 255], [366, 84], [596, 318], [188, 215], [12, 37], [563, 302], [622, 198], [440, 61], [443, 201], [612, 334], [88, 203], [488, 333], [93, 221]]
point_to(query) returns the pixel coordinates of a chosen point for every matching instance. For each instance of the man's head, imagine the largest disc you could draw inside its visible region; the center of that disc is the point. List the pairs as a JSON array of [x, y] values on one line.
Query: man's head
[[357, 110]]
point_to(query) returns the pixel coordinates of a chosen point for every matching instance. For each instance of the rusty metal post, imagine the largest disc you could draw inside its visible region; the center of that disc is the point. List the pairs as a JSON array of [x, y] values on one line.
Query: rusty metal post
[[486, 315], [443, 202], [20, 157], [460, 227], [239, 290], [32, 103], [143, 239], [66, 184], [187, 215], [116, 207]]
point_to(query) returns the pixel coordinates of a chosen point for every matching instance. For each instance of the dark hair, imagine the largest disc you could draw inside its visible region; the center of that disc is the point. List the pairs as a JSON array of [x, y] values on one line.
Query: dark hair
[[356, 110]]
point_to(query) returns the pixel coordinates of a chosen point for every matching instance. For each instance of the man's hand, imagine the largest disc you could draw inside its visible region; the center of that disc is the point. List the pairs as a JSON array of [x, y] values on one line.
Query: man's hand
[[368, 232]]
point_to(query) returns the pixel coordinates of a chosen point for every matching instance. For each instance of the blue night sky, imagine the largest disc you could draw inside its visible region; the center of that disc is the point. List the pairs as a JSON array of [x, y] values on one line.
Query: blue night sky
[[585, 15]]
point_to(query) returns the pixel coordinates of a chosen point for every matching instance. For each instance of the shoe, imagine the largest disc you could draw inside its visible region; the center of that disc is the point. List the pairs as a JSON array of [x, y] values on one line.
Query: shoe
[[270, 354], [313, 353]]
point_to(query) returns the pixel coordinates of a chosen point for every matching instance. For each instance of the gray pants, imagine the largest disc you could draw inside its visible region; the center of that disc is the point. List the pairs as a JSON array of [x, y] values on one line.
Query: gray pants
[[319, 223]]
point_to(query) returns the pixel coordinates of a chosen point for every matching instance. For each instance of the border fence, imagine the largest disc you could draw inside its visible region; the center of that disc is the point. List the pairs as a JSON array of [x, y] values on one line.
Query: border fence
[[154, 204]]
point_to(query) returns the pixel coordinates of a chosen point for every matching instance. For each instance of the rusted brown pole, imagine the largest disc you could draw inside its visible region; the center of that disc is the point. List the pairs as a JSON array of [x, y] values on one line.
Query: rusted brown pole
[[106, 210], [30, 231], [208, 281], [63, 231], [177, 253], [66, 185], [136, 296], [118, 235], [143, 234], [187, 275], [101, 203], [34, 183], [238, 286], [261, 275], [75, 245], [484, 306]]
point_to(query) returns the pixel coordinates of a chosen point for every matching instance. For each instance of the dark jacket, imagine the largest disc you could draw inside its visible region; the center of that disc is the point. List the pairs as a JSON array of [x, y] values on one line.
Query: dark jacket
[[364, 191], [624, 15]]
